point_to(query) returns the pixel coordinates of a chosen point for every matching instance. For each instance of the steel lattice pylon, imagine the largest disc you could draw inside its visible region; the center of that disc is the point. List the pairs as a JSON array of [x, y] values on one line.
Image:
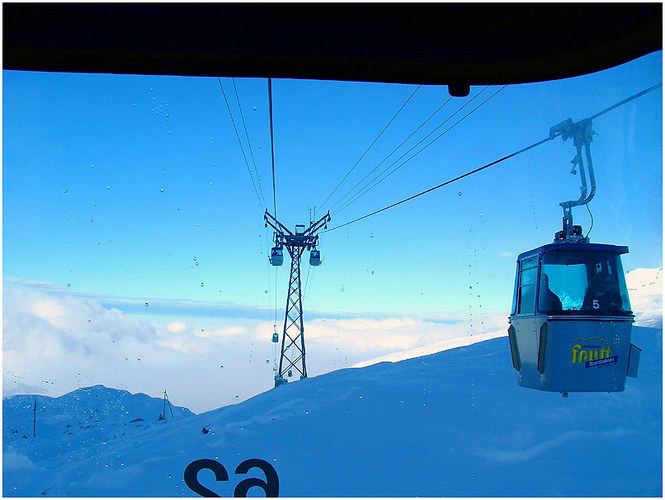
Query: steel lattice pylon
[[292, 355], [293, 338]]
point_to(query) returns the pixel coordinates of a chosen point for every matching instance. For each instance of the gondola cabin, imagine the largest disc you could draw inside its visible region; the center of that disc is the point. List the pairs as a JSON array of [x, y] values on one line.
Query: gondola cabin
[[315, 258], [276, 256], [571, 319]]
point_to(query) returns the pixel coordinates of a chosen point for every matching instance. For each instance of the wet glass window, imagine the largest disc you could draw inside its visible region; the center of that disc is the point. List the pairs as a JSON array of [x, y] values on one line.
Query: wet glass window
[[583, 281], [528, 276]]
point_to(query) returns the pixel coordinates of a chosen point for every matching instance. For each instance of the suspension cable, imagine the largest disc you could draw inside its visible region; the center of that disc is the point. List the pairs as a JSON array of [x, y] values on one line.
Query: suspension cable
[[242, 149], [390, 154], [379, 179], [249, 144], [504, 158], [450, 181], [370, 146], [625, 101], [272, 147]]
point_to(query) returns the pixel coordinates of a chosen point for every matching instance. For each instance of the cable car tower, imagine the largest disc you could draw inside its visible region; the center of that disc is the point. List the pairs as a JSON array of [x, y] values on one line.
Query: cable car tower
[[292, 354]]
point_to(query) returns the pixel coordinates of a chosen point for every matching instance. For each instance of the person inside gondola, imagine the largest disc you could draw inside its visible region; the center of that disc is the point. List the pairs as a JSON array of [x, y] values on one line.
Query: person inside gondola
[[549, 301], [603, 292]]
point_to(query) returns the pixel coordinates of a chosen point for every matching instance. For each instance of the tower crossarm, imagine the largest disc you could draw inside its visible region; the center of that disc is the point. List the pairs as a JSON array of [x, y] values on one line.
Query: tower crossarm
[[275, 224], [315, 226]]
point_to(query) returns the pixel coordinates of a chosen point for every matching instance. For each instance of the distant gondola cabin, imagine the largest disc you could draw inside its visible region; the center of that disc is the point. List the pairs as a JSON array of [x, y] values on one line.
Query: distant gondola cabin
[[315, 258], [571, 319], [276, 256]]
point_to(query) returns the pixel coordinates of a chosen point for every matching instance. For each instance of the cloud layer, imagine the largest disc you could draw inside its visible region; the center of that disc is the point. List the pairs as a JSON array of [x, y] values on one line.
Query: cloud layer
[[55, 341]]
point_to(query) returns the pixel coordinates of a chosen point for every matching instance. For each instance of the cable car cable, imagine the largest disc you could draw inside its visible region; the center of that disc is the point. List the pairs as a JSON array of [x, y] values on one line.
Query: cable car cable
[[625, 101], [366, 188], [450, 181], [370, 146], [391, 153], [379, 180], [228, 107], [249, 144], [504, 158], [272, 146]]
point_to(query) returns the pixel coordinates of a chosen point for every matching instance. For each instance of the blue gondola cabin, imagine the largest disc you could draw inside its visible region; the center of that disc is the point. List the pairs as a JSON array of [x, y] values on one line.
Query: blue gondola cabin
[[571, 319], [276, 256], [315, 258]]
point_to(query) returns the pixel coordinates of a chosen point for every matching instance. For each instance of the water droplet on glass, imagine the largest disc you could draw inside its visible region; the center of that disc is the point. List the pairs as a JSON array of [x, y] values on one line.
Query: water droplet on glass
[[68, 285], [64, 191], [161, 190], [108, 187], [266, 291], [253, 108], [267, 361], [459, 193], [147, 304], [91, 220], [202, 283]]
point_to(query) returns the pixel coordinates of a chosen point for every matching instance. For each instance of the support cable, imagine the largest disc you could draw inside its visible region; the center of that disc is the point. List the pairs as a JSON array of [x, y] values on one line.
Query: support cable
[[249, 143], [459, 177], [495, 162], [242, 149], [370, 146], [379, 179], [625, 101], [391, 153], [272, 147]]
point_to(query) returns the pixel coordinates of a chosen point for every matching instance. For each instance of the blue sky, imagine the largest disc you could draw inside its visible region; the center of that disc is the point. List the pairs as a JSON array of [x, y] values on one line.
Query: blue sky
[[129, 190]]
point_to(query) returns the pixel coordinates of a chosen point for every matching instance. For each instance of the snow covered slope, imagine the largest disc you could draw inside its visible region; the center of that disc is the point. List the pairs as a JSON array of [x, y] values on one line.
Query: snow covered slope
[[454, 423], [76, 422]]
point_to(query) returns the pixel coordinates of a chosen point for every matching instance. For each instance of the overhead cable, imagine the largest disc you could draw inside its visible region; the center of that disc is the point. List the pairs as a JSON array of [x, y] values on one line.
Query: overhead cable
[[390, 154], [443, 183], [625, 101], [495, 162], [249, 170], [370, 146], [380, 179], [272, 147], [249, 143]]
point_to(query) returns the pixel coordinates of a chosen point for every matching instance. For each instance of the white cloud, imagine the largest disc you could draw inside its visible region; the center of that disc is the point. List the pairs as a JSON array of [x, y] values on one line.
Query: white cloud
[[57, 342], [645, 288], [366, 335], [176, 326]]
